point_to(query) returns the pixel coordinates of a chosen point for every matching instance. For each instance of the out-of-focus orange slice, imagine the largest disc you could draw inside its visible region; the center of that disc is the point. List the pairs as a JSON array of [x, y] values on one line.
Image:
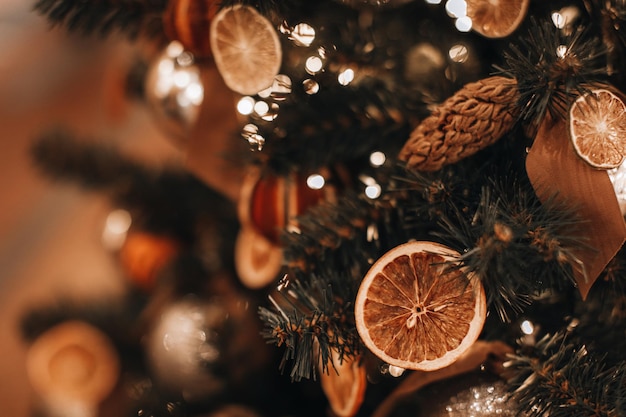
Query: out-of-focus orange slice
[[344, 384], [246, 49], [496, 18]]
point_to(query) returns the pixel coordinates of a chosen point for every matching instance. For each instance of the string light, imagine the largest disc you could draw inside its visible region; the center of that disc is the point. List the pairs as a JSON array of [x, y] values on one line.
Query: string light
[[463, 24], [314, 64], [261, 108], [527, 327], [396, 371], [302, 34], [345, 77], [245, 106], [377, 159], [456, 8], [116, 228], [315, 181], [458, 53], [310, 86]]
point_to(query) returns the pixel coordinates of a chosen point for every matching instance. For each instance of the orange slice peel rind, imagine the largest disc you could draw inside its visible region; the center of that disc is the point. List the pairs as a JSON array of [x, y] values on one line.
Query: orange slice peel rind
[[597, 126], [246, 49], [496, 18], [415, 310]]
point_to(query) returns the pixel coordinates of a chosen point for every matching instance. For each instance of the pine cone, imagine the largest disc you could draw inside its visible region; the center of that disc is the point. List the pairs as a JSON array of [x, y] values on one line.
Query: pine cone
[[473, 118]]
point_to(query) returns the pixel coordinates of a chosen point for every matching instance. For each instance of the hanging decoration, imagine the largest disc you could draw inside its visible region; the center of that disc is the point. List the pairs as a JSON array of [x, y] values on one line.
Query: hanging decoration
[[188, 22], [496, 18], [344, 383], [472, 385], [174, 91], [246, 49], [416, 310], [475, 117], [556, 171], [73, 366], [144, 255], [269, 204]]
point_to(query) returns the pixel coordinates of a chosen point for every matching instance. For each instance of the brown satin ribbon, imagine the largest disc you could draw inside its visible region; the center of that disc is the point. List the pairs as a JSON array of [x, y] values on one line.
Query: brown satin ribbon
[[556, 171]]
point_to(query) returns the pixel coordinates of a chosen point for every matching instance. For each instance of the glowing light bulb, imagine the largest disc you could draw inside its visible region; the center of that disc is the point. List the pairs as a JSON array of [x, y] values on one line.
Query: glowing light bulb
[[396, 371], [261, 108], [346, 76], [195, 93], [302, 34], [181, 79], [174, 49], [377, 159], [314, 64], [373, 191], [456, 8], [116, 227], [463, 24], [245, 105], [458, 53], [315, 181], [310, 86], [527, 327]]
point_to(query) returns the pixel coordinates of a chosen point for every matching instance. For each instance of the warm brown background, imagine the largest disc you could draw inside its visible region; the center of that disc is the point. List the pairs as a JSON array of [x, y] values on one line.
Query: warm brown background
[[50, 233]]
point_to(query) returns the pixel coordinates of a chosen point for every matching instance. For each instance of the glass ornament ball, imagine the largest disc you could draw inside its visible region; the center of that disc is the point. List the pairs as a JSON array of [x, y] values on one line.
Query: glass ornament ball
[[184, 346], [197, 347], [188, 22], [174, 91], [477, 394]]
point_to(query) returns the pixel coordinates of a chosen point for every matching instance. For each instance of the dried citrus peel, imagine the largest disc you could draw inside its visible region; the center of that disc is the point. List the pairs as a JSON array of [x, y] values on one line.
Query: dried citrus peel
[[246, 49], [414, 311], [597, 126], [344, 384], [496, 18]]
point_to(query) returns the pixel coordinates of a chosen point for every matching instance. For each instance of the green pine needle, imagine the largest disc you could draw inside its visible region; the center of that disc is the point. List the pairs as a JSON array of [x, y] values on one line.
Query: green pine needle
[[562, 378], [552, 68]]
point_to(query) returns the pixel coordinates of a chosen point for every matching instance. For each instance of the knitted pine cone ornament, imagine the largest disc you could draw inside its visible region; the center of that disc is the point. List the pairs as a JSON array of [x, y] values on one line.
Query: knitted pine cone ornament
[[476, 116]]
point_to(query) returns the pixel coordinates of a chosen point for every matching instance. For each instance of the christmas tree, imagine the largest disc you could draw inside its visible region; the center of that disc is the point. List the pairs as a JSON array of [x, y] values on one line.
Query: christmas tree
[[430, 218]]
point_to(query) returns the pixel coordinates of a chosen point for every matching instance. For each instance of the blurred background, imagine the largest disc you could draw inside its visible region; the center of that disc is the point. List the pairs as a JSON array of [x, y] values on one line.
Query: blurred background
[[50, 233]]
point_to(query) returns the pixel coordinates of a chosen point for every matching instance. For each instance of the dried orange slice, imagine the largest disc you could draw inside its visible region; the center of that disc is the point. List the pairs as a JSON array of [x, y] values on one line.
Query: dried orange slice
[[344, 385], [73, 361], [598, 128], [246, 49], [496, 18], [416, 311], [257, 260]]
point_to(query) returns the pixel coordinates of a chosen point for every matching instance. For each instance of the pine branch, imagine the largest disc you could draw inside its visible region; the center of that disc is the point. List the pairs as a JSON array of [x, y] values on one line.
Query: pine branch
[[165, 200], [516, 245], [103, 17], [309, 319], [356, 121], [552, 68], [325, 228], [94, 165], [562, 378]]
